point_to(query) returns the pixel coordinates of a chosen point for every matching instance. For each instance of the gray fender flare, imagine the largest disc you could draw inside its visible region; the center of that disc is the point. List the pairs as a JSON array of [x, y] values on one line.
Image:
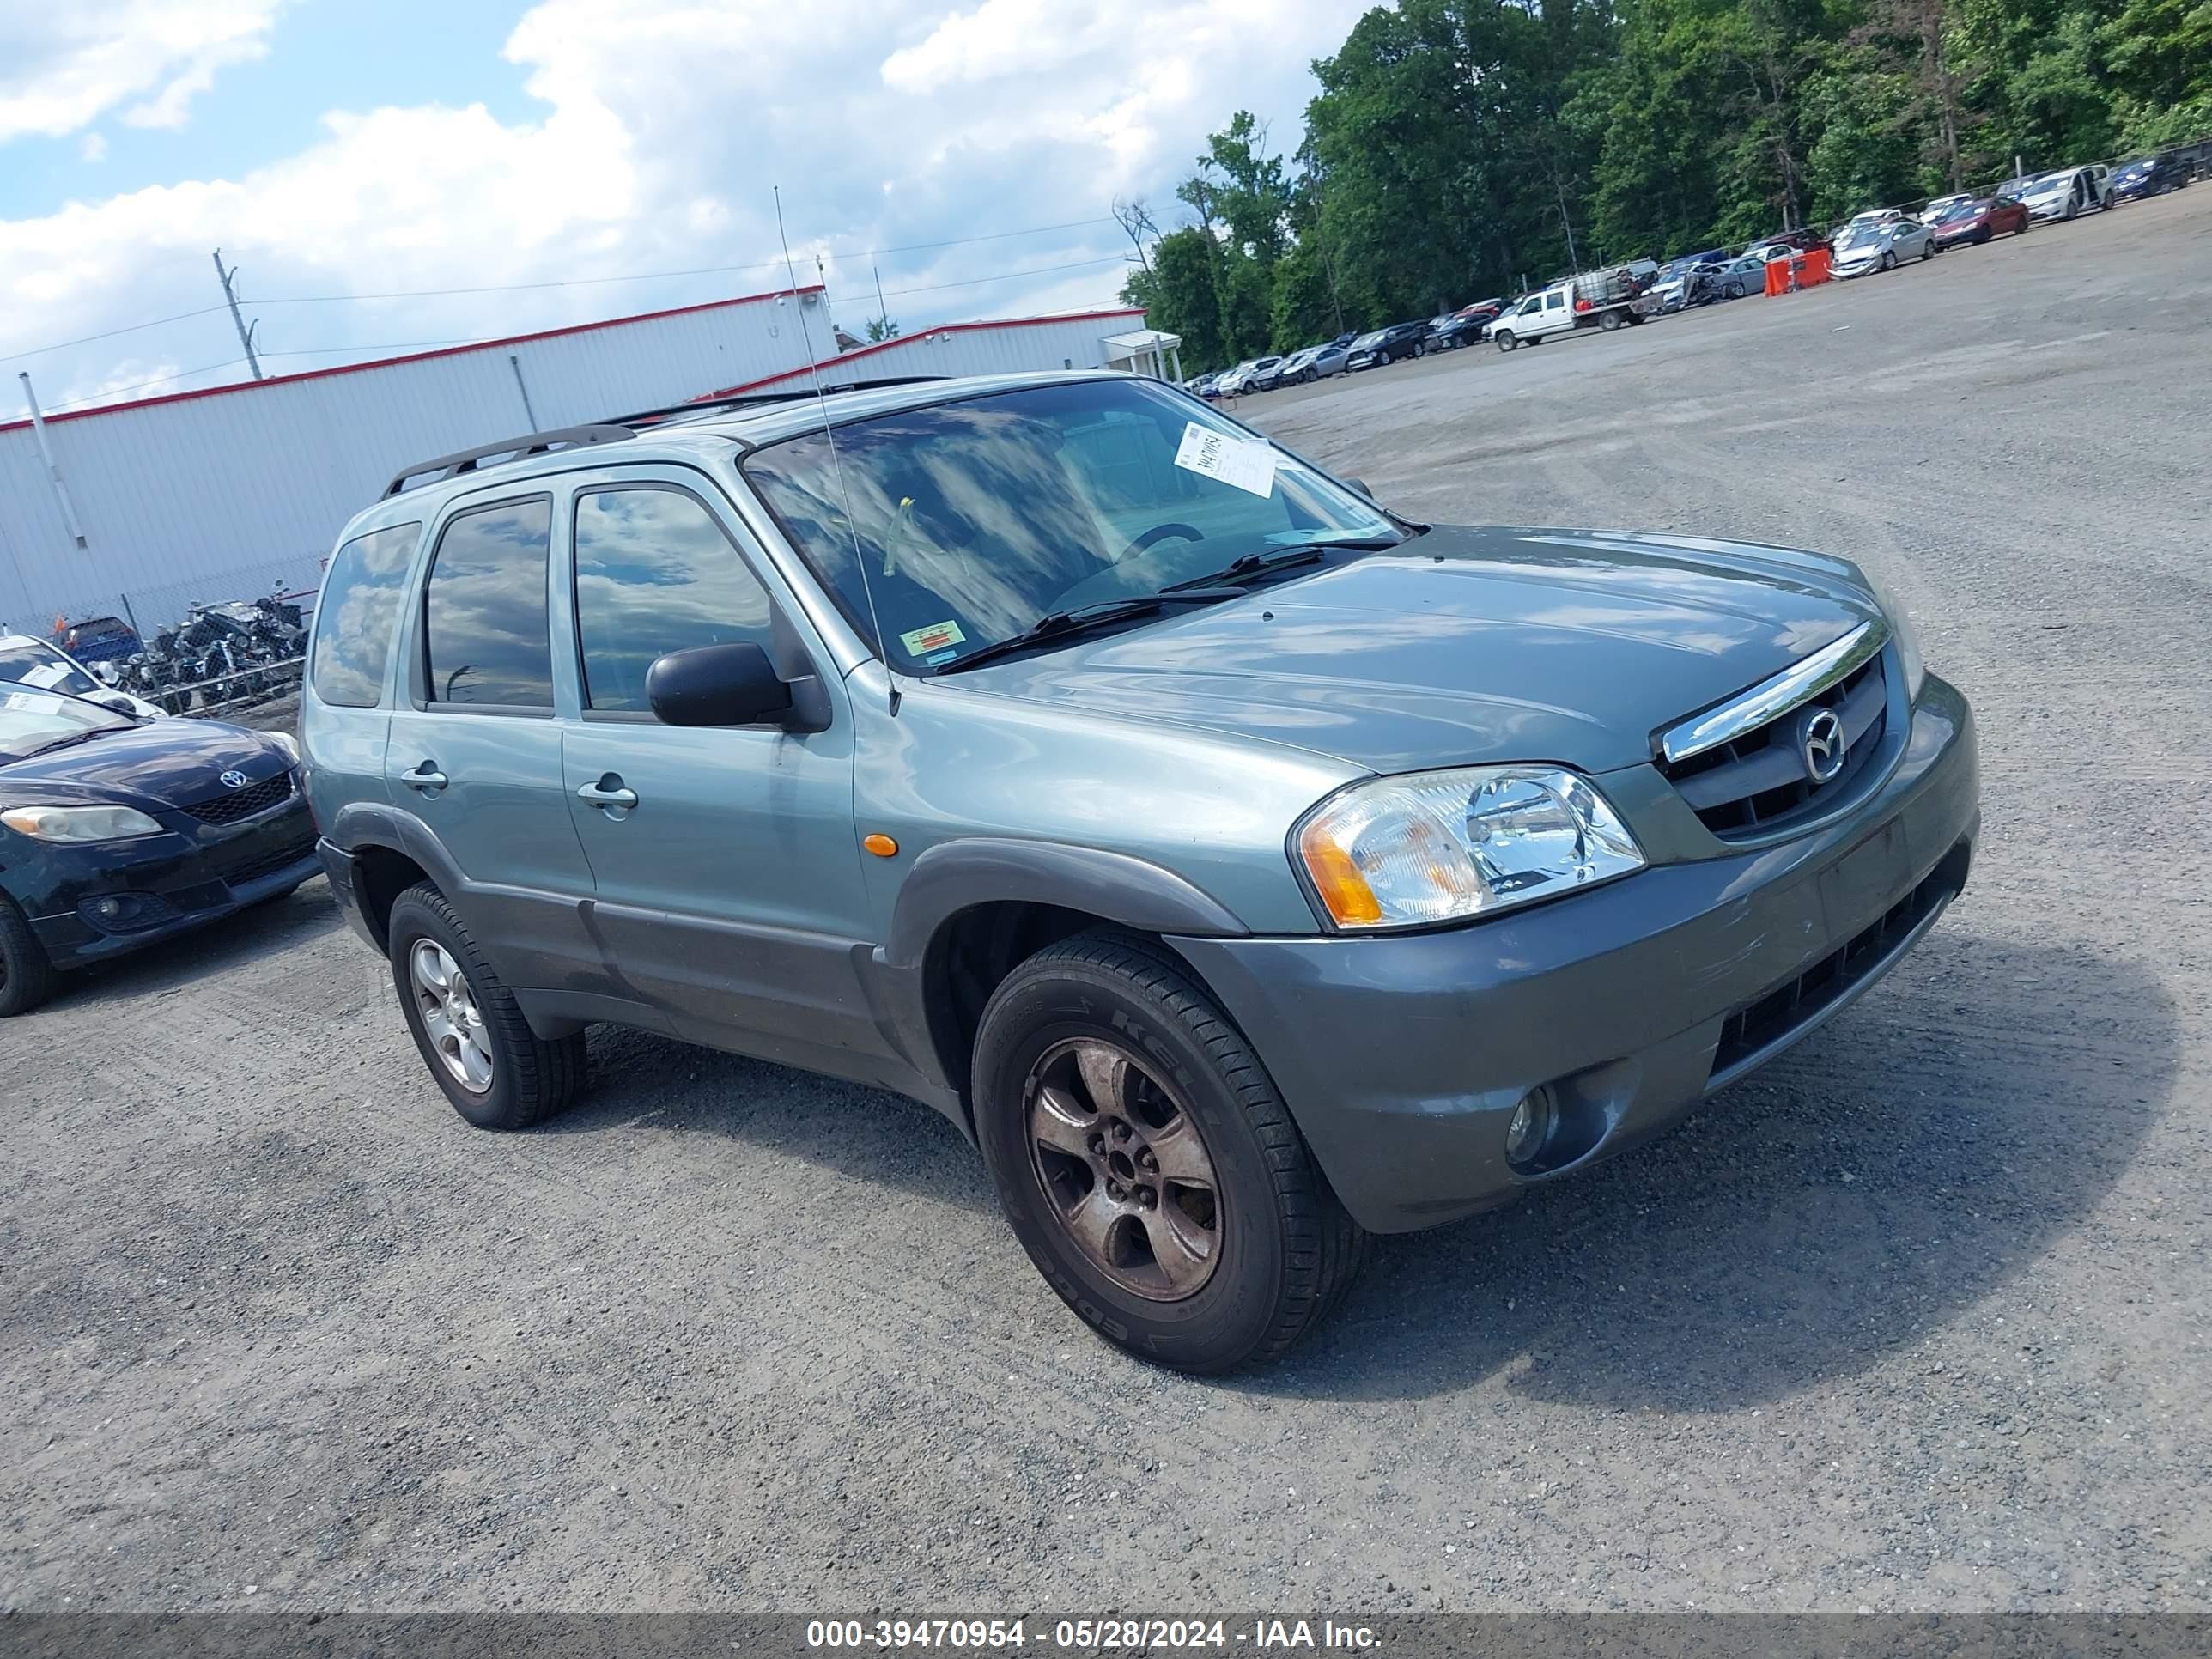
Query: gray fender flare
[[959, 875]]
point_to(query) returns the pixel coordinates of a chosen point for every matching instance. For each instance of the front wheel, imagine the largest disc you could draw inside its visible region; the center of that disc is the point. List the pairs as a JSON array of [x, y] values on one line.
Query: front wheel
[[497, 1072], [27, 972], [1146, 1163], [1888, 260], [1421, 347], [1505, 342], [1608, 320]]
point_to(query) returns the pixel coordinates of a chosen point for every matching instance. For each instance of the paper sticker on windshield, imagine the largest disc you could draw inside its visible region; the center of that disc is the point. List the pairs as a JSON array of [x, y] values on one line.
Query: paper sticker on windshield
[[1245, 464], [924, 642], [46, 674]]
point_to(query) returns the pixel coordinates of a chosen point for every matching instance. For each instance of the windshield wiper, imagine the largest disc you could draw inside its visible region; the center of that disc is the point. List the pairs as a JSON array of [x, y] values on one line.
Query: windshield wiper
[[75, 738], [1054, 624], [1247, 566]]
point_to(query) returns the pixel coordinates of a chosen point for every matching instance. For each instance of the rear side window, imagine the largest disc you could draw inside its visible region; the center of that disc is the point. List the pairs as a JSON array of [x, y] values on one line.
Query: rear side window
[[655, 573], [485, 639], [359, 614]]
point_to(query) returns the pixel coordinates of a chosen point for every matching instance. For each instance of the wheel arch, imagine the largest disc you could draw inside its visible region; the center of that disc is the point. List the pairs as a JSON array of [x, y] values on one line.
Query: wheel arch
[[390, 852], [973, 910]]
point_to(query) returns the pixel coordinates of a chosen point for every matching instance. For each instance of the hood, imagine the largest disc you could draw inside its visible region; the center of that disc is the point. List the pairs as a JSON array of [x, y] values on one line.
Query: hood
[[167, 763], [1469, 645]]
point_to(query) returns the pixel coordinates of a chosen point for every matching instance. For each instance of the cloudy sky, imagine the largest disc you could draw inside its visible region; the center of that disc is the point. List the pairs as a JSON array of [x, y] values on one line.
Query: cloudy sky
[[600, 149]]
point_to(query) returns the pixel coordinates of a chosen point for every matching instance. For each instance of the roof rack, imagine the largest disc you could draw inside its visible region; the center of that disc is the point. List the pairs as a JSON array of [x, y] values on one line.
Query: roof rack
[[532, 443], [645, 417]]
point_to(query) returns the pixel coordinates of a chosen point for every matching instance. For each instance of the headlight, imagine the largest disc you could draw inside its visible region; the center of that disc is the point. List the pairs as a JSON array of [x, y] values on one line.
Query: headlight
[[285, 741], [1436, 847], [1907, 637], [79, 822]]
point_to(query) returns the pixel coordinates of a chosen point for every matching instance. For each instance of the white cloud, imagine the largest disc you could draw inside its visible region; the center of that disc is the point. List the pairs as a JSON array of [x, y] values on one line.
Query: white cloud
[[660, 130], [64, 65], [92, 148]]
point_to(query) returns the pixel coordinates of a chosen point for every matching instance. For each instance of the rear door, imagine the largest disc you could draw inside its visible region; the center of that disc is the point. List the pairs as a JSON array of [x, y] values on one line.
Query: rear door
[[475, 748], [727, 864]]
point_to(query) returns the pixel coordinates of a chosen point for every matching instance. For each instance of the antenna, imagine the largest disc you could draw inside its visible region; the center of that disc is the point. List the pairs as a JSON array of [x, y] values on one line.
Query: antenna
[[837, 466]]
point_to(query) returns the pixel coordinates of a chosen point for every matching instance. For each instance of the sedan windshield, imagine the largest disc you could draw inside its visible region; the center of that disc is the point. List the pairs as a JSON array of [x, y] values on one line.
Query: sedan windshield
[[1863, 235], [26, 662], [1964, 211], [34, 720], [973, 520]]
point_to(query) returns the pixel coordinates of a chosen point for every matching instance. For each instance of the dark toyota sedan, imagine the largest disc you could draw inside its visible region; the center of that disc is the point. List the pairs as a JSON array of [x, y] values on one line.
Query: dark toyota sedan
[[115, 832]]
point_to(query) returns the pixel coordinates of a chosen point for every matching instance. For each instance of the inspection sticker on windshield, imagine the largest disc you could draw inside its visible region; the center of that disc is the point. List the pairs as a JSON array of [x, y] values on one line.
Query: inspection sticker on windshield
[[1243, 462], [927, 641]]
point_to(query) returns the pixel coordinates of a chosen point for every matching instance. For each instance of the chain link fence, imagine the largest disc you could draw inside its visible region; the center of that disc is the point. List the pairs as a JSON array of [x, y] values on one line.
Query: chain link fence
[[105, 630]]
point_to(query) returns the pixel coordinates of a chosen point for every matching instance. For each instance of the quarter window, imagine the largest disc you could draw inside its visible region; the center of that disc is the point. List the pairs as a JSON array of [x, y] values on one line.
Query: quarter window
[[358, 615], [484, 632], [655, 573]]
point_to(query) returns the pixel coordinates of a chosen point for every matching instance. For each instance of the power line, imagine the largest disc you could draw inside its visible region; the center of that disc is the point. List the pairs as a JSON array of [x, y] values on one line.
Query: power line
[[106, 392], [128, 328], [1012, 276]]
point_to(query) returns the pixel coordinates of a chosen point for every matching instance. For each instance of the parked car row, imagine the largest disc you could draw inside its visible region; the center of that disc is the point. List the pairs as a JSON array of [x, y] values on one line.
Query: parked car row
[[1880, 239]]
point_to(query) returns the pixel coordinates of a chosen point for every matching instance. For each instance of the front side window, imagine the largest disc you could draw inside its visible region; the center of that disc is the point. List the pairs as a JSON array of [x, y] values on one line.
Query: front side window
[[655, 573], [485, 633], [358, 616], [975, 519]]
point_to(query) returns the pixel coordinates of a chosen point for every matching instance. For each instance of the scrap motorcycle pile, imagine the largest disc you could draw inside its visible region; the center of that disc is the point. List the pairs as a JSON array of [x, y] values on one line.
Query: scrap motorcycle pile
[[222, 655]]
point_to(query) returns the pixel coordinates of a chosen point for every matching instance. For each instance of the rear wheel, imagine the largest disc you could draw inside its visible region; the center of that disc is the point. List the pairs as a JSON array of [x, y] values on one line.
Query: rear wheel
[[1147, 1164], [1927, 248], [26, 973], [497, 1072], [1421, 347], [1608, 320]]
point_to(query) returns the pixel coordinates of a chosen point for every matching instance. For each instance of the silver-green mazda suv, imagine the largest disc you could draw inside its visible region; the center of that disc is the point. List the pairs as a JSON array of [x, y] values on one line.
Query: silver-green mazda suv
[[1245, 868]]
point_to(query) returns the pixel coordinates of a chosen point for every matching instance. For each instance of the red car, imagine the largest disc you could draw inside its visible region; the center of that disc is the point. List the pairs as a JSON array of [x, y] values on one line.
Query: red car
[[1979, 220]]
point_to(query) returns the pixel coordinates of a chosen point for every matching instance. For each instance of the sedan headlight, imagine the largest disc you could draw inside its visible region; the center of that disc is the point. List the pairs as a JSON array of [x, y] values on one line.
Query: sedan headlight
[[1431, 846], [1906, 635], [79, 822]]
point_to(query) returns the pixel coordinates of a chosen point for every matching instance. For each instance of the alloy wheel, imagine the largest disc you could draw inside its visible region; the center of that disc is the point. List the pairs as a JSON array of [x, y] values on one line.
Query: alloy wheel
[[1124, 1169], [450, 1015]]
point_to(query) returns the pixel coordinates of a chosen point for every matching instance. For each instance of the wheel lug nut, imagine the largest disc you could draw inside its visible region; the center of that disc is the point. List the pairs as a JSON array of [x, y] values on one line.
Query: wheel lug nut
[[1114, 1190], [1096, 1143], [1147, 1158], [1120, 1132]]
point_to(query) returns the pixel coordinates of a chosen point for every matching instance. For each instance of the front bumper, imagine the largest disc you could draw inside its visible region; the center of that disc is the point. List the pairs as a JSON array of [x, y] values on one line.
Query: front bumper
[[164, 885], [1402, 1059]]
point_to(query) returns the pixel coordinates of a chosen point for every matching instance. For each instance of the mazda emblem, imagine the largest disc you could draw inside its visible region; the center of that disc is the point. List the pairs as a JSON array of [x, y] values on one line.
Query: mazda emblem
[[233, 779], [1820, 741]]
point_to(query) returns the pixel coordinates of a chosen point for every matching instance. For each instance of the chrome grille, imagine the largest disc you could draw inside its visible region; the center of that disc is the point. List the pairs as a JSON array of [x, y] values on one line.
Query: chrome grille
[[236, 806], [1758, 782]]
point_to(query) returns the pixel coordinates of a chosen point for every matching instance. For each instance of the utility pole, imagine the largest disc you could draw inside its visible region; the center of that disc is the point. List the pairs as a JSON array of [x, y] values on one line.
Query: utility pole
[[53, 473], [883, 311], [245, 334]]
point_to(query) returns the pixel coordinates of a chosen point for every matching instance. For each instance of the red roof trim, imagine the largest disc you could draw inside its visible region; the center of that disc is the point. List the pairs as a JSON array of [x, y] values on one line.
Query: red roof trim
[[412, 358], [916, 337]]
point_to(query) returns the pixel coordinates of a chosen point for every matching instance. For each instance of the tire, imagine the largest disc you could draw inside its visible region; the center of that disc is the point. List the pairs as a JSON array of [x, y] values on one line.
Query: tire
[[1928, 250], [1279, 1249], [1888, 259], [1505, 342], [26, 973], [528, 1080], [1421, 347], [1608, 320], [1983, 235]]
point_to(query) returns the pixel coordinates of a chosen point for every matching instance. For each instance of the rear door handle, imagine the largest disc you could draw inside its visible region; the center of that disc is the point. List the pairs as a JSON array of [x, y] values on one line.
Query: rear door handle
[[425, 777], [600, 796]]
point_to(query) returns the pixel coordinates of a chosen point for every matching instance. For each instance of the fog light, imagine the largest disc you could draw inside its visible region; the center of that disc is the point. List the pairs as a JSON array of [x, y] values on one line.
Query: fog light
[[124, 912], [1531, 1127]]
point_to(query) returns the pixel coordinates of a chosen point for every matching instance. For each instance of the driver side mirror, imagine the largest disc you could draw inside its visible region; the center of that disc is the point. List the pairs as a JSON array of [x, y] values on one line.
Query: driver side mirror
[[733, 684], [1360, 484]]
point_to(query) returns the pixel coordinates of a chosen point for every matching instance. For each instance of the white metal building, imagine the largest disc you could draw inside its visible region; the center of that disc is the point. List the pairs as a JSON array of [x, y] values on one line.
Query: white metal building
[[237, 489]]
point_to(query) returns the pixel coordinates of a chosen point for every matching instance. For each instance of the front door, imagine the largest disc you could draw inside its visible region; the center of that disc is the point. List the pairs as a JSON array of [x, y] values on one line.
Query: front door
[[474, 750], [726, 860], [1555, 315]]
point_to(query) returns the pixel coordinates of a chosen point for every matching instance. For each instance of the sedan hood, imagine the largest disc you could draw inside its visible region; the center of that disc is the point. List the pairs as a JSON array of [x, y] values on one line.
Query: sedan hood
[[1467, 645], [171, 762]]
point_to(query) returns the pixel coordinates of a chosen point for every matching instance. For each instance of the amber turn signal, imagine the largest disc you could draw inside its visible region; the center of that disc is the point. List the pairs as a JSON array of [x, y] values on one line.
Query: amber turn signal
[[880, 844]]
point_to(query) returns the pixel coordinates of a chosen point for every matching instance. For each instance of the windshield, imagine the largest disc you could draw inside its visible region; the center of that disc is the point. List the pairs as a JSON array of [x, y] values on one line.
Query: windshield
[[1863, 235], [32, 720], [976, 518], [26, 662], [1963, 211]]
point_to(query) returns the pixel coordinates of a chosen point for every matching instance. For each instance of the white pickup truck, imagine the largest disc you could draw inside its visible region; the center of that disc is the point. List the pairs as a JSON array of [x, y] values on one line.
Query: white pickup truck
[[1604, 298]]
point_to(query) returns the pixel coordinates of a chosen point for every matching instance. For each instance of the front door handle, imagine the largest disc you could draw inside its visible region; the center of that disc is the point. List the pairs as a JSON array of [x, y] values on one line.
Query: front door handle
[[609, 791], [425, 777]]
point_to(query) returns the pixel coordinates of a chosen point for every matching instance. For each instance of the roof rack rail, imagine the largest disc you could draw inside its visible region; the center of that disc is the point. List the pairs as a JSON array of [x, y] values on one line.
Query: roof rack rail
[[645, 417], [530, 443]]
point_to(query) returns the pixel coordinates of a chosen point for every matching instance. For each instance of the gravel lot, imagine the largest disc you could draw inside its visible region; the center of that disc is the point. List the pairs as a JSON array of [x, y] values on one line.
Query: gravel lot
[[1913, 1320]]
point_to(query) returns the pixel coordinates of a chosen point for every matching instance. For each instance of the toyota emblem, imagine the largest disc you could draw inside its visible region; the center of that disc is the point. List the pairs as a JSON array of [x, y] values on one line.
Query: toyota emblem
[[1820, 741], [233, 779]]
